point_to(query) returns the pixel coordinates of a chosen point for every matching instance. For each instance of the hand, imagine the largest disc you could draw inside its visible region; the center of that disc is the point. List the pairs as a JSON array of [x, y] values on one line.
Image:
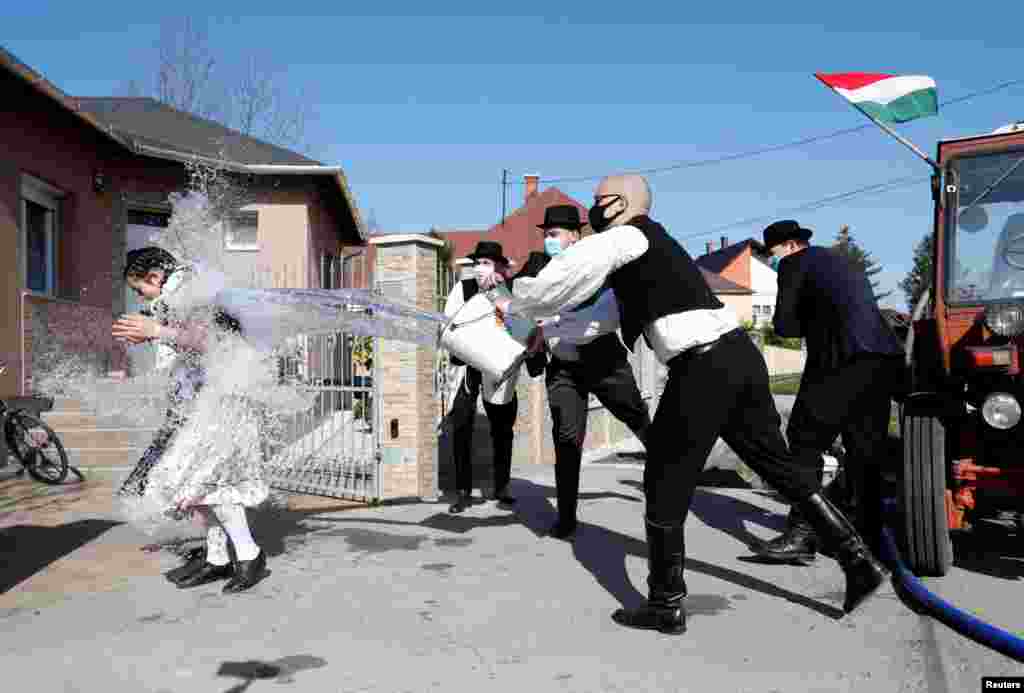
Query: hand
[[489, 281], [501, 305], [135, 329]]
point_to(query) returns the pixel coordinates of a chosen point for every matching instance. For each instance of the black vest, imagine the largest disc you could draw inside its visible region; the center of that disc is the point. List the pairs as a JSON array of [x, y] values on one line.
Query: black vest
[[662, 281]]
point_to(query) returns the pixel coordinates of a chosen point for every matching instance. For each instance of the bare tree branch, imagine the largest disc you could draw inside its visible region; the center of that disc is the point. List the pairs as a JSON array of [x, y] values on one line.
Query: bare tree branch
[[250, 96]]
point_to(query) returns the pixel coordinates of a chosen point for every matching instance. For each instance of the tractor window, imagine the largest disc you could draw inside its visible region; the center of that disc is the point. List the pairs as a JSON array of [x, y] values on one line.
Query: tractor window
[[985, 245]]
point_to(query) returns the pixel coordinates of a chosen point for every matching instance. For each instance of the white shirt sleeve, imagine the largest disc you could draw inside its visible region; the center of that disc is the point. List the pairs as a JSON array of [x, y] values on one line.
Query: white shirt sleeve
[[587, 324], [577, 273], [454, 301]]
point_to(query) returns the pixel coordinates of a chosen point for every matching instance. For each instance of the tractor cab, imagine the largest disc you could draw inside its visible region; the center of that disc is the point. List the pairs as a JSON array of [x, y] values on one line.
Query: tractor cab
[[962, 431]]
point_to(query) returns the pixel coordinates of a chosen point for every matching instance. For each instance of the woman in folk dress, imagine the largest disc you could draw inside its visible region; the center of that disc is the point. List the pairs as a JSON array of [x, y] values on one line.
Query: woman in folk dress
[[206, 458]]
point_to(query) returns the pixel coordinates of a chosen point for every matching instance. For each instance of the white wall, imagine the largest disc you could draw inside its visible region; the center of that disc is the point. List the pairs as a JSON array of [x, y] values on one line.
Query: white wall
[[764, 282]]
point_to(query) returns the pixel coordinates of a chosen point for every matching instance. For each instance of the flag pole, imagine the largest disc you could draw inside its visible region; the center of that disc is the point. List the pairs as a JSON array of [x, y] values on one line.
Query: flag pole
[[885, 127]]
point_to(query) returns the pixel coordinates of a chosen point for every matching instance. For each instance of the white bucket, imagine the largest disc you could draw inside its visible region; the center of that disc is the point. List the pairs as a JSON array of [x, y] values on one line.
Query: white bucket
[[475, 335]]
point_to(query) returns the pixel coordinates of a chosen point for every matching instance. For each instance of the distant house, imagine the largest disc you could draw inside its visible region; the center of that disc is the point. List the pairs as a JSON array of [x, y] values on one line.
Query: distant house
[[731, 294], [83, 180], [747, 265]]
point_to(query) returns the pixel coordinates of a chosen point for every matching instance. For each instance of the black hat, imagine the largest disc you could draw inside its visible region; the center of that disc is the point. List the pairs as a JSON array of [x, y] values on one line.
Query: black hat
[[562, 216], [534, 264], [490, 250], [785, 230]]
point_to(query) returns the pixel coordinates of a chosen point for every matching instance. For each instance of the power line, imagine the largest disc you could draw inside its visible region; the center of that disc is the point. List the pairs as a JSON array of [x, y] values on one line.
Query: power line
[[773, 148], [829, 200]]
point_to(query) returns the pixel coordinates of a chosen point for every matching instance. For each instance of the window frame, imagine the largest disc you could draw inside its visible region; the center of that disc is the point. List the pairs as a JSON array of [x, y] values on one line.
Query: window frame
[[40, 193]]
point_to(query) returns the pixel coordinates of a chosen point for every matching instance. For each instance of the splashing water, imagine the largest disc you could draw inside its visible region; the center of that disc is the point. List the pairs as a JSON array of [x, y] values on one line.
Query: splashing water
[[227, 407]]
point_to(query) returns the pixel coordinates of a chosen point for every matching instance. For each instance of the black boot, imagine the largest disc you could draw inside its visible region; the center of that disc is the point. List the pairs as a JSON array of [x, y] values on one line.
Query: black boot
[[247, 574], [461, 503], [194, 560], [798, 544], [206, 574], [666, 588], [864, 573], [563, 529]]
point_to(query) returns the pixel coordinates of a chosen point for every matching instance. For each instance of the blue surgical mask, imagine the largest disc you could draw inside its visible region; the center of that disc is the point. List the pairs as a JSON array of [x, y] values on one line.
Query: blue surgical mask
[[774, 262], [552, 246]]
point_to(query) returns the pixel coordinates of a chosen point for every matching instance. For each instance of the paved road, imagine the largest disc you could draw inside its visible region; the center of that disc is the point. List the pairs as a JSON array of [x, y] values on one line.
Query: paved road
[[409, 598]]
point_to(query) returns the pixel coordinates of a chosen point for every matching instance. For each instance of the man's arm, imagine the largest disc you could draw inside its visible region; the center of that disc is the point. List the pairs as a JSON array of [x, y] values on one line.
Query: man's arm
[[577, 273], [786, 320], [452, 304]]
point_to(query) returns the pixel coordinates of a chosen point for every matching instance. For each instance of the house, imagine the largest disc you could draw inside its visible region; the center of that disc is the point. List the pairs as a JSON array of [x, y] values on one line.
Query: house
[[734, 296], [83, 180], [744, 264]]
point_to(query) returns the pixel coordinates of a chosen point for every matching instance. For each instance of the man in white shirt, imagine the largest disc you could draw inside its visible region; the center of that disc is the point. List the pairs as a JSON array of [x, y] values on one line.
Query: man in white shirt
[[586, 357], [500, 403], [717, 386]]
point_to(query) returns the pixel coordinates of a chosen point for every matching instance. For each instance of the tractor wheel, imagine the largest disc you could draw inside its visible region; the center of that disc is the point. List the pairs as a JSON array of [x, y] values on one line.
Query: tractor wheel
[[929, 545]]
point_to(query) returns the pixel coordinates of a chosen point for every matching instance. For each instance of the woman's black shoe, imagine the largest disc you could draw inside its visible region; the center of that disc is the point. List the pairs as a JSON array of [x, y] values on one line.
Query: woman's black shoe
[[461, 503], [206, 574], [247, 574], [562, 530], [194, 560]]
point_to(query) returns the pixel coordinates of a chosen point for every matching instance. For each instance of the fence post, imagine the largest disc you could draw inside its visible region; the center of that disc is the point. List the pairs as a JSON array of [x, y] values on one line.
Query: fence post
[[406, 271]]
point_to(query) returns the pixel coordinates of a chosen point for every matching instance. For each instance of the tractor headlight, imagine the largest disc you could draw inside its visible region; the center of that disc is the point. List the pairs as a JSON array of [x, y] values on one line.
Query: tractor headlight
[[1001, 410], [1005, 319]]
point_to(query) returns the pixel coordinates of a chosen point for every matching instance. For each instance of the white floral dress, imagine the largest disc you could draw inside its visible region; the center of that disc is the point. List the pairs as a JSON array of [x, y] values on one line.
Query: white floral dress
[[209, 451]]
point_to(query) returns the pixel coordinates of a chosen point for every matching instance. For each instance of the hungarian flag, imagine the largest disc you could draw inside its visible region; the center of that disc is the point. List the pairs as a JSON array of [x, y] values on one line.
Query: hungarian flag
[[889, 98]]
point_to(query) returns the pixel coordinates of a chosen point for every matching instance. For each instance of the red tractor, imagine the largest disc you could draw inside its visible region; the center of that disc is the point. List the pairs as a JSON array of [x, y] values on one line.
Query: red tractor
[[963, 440]]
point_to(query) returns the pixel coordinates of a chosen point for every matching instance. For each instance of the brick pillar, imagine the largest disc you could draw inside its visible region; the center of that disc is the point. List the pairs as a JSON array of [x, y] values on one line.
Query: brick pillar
[[406, 270]]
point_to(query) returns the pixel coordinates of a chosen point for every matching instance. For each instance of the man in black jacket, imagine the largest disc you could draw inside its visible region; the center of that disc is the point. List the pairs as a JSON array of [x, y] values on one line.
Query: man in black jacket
[[717, 386], [852, 370], [586, 357]]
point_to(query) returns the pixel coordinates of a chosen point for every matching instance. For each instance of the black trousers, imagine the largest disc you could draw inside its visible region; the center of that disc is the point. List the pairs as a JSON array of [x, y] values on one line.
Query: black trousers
[[569, 385], [502, 418], [720, 393], [854, 400]]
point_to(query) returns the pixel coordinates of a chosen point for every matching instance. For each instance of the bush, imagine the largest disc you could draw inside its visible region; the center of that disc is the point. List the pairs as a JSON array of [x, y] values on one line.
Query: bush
[[772, 339]]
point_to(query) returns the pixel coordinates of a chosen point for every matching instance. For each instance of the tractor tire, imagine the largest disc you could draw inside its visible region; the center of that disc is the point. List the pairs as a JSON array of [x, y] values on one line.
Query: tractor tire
[[929, 544]]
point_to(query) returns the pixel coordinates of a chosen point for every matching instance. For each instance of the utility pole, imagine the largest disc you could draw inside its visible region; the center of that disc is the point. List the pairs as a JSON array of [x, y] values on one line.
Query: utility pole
[[504, 186]]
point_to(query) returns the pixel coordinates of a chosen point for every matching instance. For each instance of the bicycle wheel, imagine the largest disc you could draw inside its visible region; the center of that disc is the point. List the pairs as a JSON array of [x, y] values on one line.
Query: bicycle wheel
[[37, 447]]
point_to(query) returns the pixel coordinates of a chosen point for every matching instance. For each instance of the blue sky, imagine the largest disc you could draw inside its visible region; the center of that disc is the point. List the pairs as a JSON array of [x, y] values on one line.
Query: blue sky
[[424, 112]]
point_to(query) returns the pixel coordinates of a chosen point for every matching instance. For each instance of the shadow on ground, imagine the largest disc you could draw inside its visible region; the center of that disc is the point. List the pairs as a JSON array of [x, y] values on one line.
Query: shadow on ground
[[27, 549]]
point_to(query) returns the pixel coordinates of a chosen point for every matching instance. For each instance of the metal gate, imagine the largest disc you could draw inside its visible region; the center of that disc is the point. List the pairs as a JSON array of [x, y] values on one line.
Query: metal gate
[[334, 448]]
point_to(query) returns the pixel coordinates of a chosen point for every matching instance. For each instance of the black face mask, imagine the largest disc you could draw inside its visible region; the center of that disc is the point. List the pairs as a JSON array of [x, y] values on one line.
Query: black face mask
[[596, 217]]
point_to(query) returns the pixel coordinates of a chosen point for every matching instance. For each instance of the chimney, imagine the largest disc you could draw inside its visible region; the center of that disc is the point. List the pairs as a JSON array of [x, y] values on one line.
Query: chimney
[[707, 247], [531, 180], [725, 241]]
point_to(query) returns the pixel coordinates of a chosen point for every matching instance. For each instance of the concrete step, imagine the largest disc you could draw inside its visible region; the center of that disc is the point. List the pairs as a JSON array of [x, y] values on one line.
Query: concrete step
[[61, 420], [104, 457], [96, 438]]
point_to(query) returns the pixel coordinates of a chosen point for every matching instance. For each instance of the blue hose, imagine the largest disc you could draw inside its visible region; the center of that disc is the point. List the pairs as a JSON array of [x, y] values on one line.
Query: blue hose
[[960, 621]]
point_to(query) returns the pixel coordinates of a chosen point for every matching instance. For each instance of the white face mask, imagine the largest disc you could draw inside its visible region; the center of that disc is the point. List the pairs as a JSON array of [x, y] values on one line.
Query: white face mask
[[483, 271]]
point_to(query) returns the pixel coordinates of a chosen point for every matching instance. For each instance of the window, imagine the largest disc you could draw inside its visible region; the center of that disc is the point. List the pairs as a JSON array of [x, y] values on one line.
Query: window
[[329, 275], [243, 232], [40, 218]]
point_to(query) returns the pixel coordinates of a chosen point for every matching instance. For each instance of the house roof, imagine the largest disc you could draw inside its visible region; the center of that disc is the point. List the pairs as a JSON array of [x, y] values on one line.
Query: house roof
[[150, 122], [518, 232], [721, 285], [162, 132], [718, 260]]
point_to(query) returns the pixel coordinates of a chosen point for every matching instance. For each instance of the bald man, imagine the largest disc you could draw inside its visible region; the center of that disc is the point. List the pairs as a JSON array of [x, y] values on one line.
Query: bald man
[[717, 387]]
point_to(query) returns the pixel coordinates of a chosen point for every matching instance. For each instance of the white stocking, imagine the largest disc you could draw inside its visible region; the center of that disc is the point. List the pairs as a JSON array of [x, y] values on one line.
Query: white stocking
[[216, 538], [233, 519]]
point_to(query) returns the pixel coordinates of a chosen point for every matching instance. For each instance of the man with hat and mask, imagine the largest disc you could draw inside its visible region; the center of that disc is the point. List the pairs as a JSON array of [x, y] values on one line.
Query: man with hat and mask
[[717, 386], [854, 364], [586, 357], [500, 402]]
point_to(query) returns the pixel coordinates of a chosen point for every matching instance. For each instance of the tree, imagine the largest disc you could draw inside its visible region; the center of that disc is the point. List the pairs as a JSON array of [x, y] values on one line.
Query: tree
[[249, 96], [920, 276], [847, 246]]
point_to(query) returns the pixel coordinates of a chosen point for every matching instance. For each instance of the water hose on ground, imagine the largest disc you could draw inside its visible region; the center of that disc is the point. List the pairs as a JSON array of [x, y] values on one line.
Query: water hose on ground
[[926, 602]]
